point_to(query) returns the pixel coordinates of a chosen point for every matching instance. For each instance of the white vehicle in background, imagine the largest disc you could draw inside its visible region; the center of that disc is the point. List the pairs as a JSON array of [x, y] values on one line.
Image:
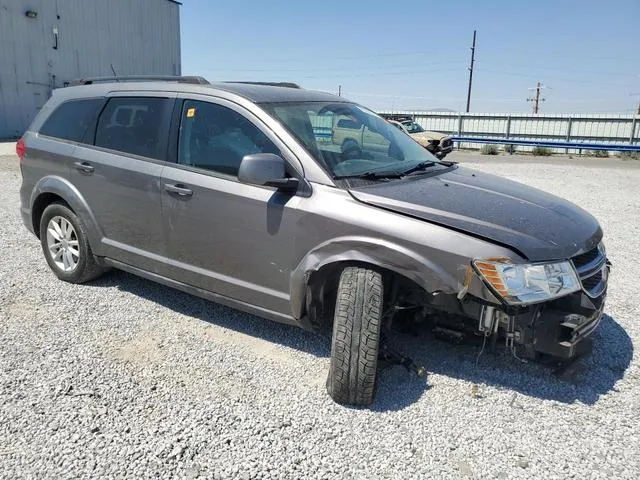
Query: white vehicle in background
[[437, 143]]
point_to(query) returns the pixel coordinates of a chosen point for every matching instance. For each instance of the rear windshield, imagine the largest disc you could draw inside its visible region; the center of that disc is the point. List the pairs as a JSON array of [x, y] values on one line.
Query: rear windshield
[[71, 119]]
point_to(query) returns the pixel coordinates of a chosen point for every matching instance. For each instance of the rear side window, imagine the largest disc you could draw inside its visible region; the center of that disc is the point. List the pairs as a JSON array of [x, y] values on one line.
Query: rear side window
[[71, 119], [137, 125]]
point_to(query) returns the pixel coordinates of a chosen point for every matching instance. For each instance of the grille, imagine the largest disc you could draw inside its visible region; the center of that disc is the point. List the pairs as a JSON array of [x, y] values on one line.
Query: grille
[[593, 281], [586, 258], [590, 267]]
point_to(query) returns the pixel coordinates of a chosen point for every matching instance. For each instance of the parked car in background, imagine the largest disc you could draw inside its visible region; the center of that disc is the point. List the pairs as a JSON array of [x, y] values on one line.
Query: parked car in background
[[354, 137], [307, 209], [439, 144]]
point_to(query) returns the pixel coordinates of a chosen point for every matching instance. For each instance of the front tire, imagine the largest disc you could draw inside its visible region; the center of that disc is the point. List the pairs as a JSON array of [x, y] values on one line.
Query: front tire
[[356, 337], [65, 245]]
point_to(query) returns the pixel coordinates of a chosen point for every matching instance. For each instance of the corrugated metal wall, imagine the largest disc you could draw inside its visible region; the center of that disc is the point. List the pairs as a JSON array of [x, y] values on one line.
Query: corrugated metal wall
[[70, 39], [620, 129]]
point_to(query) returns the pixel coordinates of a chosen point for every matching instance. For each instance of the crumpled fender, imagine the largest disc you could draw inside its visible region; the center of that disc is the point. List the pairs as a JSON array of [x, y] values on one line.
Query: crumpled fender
[[70, 194], [425, 272]]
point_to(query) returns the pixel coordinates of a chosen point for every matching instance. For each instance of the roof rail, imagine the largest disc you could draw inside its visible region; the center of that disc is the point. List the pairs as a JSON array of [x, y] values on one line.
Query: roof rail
[[141, 78], [271, 84]]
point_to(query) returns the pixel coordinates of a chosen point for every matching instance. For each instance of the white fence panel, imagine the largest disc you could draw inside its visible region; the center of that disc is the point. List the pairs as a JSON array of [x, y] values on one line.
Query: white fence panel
[[618, 129]]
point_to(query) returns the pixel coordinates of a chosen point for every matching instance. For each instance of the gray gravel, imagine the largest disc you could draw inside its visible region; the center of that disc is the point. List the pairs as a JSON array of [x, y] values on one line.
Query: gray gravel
[[123, 378]]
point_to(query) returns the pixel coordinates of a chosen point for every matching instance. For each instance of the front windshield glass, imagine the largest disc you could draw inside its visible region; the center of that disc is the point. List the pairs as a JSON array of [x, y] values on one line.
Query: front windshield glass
[[413, 127], [349, 140]]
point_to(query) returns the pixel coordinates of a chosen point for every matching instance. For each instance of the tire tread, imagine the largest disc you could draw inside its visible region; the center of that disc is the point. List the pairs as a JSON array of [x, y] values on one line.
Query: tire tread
[[356, 337]]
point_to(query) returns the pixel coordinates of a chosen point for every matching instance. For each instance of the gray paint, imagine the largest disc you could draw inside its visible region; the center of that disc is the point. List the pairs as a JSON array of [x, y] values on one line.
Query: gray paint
[[255, 247], [271, 241], [139, 37]]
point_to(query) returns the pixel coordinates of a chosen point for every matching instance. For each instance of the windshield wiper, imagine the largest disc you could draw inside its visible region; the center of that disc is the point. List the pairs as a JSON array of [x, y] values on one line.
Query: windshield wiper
[[419, 166], [372, 175], [448, 163]]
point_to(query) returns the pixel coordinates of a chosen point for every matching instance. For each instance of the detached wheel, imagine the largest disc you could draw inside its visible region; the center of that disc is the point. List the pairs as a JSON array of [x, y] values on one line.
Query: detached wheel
[[356, 337], [65, 245]]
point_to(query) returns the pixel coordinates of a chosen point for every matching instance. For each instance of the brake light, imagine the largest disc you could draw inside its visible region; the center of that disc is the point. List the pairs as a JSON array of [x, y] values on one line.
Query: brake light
[[21, 149]]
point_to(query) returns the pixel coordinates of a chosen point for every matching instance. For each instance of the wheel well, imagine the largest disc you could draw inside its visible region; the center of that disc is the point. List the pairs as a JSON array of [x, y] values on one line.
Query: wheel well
[[43, 201], [322, 288]]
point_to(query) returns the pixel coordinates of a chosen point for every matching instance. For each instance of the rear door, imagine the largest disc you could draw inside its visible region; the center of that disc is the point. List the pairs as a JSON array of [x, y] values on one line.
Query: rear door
[[119, 176]]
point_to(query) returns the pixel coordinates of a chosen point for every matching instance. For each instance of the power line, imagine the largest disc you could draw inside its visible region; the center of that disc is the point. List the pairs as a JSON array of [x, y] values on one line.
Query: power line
[[327, 69], [571, 80], [350, 57], [221, 74], [556, 69]]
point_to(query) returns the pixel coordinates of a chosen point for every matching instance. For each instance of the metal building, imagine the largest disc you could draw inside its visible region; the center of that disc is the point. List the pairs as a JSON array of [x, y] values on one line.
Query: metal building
[[44, 44]]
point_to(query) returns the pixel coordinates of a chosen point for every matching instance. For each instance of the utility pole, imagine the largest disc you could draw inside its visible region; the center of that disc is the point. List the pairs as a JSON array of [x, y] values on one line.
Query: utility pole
[[339, 90], [637, 95], [536, 100], [473, 57]]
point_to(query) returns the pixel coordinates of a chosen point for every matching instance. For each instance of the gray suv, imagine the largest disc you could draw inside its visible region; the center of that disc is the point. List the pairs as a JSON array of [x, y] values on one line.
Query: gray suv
[[235, 192]]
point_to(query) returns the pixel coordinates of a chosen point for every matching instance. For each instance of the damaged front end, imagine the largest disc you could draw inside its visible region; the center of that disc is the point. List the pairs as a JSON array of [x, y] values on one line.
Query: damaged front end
[[501, 302]]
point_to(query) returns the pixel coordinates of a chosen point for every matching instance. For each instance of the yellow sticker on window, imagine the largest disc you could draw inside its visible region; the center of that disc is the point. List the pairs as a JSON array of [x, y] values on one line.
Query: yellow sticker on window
[[191, 112]]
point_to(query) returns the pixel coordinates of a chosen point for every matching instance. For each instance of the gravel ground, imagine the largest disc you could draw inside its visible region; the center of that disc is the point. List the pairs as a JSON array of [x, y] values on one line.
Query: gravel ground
[[123, 378]]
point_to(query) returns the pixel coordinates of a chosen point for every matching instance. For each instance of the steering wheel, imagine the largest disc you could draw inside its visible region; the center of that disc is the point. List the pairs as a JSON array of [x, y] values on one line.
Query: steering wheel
[[350, 150]]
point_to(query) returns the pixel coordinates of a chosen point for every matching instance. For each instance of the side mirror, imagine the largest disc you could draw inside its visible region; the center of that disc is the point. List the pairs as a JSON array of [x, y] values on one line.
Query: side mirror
[[267, 170]]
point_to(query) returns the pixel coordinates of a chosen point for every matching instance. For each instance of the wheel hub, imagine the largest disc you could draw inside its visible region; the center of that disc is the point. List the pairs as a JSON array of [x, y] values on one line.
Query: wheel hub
[[62, 244]]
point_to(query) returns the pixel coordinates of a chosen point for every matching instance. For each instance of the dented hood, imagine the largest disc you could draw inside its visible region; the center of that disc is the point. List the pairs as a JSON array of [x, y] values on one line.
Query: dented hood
[[533, 223]]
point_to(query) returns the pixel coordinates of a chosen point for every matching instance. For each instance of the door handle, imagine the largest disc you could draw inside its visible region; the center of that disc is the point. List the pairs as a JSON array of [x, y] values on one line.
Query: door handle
[[84, 167], [179, 189]]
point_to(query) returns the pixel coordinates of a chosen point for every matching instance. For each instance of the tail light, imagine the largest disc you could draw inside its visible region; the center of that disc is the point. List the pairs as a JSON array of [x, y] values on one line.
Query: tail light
[[21, 149]]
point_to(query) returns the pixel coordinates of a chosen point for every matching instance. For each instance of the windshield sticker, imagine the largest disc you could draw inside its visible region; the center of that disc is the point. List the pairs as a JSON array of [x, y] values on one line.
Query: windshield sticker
[[191, 112]]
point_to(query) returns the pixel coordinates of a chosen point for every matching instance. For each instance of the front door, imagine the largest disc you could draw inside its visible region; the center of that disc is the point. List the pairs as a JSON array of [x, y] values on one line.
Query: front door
[[224, 236]]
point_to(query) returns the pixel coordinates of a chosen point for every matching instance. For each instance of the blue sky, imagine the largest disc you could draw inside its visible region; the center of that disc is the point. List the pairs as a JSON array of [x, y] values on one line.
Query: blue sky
[[414, 55]]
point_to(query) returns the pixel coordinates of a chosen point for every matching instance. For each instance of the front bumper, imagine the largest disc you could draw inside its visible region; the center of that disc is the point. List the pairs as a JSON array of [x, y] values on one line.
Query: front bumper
[[561, 328], [446, 147], [439, 148]]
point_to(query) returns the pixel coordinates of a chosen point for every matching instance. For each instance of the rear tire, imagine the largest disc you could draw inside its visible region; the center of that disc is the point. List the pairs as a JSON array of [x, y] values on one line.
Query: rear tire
[[65, 245], [356, 337]]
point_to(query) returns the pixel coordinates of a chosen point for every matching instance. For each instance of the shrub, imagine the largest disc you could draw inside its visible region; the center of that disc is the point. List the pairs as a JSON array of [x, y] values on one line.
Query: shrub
[[510, 149], [597, 153], [489, 150], [541, 151], [629, 155]]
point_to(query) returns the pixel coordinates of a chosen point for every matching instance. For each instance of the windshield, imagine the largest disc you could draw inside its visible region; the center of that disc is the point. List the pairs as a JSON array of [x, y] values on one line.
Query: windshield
[[349, 140], [413, 127]]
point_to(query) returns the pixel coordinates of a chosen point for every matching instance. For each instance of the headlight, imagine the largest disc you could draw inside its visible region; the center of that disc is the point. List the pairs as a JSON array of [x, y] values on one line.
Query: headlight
[[520, 284]]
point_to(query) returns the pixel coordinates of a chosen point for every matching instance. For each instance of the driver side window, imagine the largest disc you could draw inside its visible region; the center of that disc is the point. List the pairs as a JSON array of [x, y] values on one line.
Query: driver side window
[[216, 138]]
